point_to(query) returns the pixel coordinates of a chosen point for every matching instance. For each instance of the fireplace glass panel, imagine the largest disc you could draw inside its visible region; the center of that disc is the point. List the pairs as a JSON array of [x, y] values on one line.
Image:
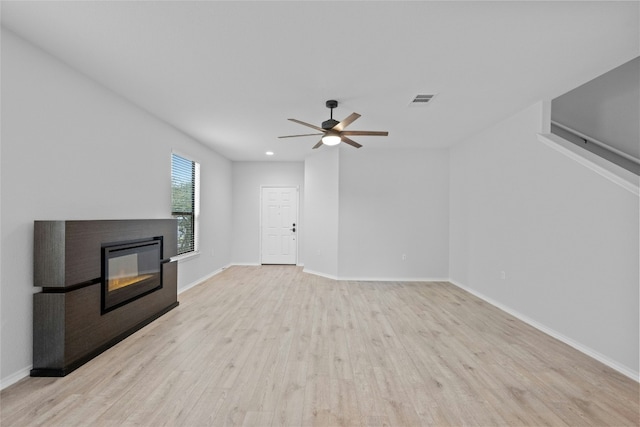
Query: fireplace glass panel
[[130, 271]]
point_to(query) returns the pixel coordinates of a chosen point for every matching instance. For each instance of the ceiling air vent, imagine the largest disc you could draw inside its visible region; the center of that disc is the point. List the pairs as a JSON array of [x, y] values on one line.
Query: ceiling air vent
[[421, 99]]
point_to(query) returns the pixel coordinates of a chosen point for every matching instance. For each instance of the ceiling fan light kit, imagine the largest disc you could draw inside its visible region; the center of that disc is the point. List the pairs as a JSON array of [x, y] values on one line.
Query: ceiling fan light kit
[[331, 138], [333, 132]]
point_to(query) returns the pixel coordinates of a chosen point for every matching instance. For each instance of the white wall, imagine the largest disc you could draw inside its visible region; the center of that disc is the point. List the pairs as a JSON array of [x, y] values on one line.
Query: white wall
[[215, 214], [248, 177], [394, 202], [321, 178], [366, 208], [566, 238], [73, 150]]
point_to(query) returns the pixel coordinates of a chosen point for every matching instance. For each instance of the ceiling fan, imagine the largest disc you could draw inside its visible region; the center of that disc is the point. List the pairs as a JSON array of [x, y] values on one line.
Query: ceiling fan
[[333, 131]]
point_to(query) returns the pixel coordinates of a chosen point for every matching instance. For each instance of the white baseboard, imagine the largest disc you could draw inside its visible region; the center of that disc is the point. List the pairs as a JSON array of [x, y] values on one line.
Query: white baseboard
[[218, 271], [317, 273], [379, 279], [202, 279], [15, 377], [395, 279], [625, 370]]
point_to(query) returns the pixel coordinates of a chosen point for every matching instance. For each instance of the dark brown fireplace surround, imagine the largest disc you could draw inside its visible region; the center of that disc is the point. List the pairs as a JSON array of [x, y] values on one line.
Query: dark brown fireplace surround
[[74, 318]]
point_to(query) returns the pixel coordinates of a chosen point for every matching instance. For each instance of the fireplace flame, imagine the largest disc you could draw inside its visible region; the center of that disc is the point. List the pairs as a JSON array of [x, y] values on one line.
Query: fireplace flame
[[121, 282]]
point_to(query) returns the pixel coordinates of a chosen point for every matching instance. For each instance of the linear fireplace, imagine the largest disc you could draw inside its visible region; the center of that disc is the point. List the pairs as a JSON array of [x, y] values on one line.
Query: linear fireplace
[[100, 282], [129, 271]]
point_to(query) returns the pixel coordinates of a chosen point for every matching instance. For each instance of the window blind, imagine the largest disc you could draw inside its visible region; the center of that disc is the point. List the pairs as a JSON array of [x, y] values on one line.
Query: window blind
[[183, 201]]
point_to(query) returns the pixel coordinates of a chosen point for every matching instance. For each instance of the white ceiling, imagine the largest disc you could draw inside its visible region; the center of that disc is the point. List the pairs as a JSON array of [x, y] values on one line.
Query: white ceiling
[[229, 74]]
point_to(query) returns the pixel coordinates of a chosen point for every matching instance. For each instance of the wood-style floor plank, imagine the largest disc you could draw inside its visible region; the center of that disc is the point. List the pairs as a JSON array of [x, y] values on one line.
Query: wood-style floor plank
[[271, 345]]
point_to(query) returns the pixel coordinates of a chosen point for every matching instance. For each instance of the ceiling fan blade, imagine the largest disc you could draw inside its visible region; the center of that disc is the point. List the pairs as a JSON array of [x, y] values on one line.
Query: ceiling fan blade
[[346, 122], [350, 142], [307, 124], [317, 145], [295, 136], [365, 132]]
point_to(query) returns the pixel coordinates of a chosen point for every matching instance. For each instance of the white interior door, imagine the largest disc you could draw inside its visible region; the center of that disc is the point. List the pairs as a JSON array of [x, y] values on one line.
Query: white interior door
[[279, 221]]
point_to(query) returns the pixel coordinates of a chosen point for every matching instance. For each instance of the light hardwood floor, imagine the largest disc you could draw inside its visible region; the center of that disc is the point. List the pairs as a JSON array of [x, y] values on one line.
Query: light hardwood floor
[[271, 345]]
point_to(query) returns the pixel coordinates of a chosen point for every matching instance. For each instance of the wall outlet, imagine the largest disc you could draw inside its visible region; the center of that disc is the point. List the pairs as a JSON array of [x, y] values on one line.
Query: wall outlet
[[503, 275], [404, 257]]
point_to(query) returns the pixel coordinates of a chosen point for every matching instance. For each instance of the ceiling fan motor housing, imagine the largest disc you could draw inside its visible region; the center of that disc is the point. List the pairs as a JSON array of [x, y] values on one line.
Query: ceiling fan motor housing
[[329, 124]]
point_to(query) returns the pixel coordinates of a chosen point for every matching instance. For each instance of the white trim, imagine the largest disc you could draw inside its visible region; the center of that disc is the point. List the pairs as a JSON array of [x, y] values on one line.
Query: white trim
[[596, 142], [196, 208], [395, 279], [634, 375], [602, 167], [378, 279], [186, 257], [201, 280], [15, 377], [184, 155], [317, 273], [247, 264]]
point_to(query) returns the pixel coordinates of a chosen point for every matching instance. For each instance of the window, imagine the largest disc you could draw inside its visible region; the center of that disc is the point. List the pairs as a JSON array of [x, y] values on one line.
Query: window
[[185, 181]]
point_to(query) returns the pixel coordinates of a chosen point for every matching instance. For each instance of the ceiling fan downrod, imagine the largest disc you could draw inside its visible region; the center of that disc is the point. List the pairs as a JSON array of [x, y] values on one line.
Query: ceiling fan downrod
[[331, 104]]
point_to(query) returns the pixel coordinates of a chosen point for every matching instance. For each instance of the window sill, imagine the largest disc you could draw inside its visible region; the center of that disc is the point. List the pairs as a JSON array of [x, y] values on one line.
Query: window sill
[[186, 257]]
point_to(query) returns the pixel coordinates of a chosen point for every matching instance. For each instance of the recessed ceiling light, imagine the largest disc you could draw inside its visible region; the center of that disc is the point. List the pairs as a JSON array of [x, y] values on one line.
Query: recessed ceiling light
[[269, 153]]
